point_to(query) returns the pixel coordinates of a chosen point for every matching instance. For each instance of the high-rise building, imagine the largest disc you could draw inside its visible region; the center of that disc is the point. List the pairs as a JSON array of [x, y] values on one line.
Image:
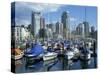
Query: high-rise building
[[92, 32], [42, 23], [86, 29], [92, 29], [57, 28], [61, 29], [65, 22], [52, 27], [80, 29], [35, 23]]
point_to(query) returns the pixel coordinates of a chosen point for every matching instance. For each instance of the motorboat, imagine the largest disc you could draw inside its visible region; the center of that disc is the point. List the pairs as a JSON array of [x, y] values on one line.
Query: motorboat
[[16, 54], [46, 63], [85, 55], [69, 55], [49, 56], [76, 53]]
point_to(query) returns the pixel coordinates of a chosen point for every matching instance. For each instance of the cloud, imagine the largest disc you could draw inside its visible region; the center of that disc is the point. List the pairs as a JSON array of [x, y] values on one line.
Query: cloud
[[21, 21], [24, 9], [72, 19], [38, 7]]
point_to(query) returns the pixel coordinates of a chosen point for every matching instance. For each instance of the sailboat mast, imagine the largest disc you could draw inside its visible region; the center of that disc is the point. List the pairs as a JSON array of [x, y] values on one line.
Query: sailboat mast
[[85, 14]]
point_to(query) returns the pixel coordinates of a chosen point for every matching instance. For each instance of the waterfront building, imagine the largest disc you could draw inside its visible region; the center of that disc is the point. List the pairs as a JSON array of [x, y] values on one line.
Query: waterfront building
[[35, 26], [59, 29], [49, 33], [93, 33], [20, 33], [42, 23], [65, 22], [92, 29], [86, 29], [80, 30]]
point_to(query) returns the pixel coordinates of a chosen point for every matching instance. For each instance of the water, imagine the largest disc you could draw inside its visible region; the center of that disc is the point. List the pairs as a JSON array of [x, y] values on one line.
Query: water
[[25, 66]]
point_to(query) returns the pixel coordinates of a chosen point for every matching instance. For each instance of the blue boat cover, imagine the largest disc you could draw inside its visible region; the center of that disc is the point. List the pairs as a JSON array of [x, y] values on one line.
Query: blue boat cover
[[36, 50]]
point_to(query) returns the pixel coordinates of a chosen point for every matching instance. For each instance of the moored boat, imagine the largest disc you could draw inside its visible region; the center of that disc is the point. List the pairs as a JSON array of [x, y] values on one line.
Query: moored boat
[[36, 51], [69, 55], [17, 54], [85, 54], [49, 56]]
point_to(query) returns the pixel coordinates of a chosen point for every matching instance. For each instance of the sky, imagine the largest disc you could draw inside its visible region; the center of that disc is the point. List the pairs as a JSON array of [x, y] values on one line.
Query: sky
[[52, 13]]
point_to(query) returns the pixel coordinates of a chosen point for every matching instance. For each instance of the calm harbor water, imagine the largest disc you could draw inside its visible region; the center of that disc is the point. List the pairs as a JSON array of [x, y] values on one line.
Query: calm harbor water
[[24, 66]]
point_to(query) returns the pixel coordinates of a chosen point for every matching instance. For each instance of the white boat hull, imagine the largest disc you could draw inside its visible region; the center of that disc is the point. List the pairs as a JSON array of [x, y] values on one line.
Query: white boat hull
[[50, 61], [16, 57], [86, 57], [49, 56], [69, 55]]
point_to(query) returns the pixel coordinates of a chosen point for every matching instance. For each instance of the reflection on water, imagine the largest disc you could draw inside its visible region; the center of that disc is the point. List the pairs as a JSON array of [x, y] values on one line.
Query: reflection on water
[[29, 65]]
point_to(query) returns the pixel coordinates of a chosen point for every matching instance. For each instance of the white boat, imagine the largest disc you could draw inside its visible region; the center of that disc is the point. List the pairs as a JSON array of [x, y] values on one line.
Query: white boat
[[69, 55], [16, 57], [85, 57], [49, 56], [49, 62], [76, 50], [76, 53]]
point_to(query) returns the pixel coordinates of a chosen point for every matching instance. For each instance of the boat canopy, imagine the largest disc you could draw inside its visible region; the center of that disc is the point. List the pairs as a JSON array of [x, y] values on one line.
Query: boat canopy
[[36, 49]]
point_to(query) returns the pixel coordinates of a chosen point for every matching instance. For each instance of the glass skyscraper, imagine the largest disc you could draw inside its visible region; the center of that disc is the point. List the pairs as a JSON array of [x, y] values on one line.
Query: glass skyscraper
[[65, 22], [35, 23]]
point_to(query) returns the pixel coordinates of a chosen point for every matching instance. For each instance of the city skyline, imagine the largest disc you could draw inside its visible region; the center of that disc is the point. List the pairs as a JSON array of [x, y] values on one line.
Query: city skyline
[[52, 13]]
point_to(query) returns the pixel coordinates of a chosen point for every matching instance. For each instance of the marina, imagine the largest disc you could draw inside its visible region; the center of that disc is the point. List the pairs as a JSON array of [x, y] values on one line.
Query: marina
[[59, 39], [61, 57]]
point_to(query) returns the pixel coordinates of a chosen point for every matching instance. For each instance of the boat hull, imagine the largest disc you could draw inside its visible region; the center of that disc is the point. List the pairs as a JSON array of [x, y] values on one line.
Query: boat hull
[[49, 56], [16, 57], [69, 55], [85, 57]]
